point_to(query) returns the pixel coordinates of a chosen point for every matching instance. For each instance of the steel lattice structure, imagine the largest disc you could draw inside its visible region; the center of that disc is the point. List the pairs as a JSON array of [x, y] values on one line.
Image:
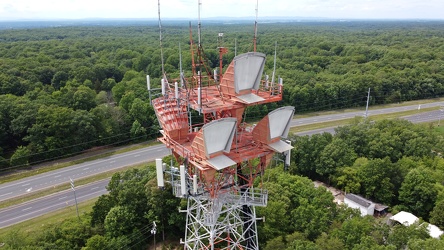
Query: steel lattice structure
[[221, 157]]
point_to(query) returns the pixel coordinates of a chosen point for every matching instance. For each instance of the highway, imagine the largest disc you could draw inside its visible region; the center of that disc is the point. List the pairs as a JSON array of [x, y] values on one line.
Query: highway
[[15, 214], [335, 117], [49, 179], [28, 210]]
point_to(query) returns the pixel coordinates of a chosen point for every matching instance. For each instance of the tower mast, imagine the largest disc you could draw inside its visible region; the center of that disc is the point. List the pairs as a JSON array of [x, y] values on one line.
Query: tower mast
[[255, 27], [221, 157]]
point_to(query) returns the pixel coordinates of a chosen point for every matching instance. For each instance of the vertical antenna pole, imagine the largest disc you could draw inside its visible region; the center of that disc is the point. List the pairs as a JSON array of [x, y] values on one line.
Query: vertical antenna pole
[[199, 54], [366, 107], [255, 27], [235, 47], [274, 65], [180, 67], [198, 23], [160, 40]]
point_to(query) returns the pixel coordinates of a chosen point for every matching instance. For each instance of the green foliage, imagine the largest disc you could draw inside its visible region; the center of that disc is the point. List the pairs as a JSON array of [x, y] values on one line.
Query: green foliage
[[295, 205], [437, 215], [427, 244], [97, 242], [376, 181], [69, 234], [119, 221], [324, 66], [134, 202], [49, 106], [20, 157], [418, 193], [328, 242], [352, 230], [335, 155], [401, 235], [306, 151], [15, 239]]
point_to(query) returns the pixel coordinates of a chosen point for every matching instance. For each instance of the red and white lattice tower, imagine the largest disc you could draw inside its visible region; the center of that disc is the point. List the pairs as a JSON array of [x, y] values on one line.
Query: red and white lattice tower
[[221, 157]]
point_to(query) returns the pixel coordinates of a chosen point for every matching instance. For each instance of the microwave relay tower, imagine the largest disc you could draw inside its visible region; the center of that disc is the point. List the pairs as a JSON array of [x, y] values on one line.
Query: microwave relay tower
[[221, 156]]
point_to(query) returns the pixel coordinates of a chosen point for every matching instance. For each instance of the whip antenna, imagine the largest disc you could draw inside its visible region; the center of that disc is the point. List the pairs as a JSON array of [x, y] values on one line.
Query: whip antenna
[[255, 27], [160, 41]]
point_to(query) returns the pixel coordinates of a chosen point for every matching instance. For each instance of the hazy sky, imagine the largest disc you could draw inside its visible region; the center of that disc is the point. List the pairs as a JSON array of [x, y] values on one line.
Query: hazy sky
[[361, 9]]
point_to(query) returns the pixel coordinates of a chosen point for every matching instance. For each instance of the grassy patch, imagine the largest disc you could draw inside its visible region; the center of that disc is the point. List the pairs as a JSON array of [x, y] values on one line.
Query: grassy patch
[[65, 186], [439, 129]]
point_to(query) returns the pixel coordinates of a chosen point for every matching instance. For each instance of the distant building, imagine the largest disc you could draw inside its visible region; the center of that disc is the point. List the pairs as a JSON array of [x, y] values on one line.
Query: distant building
[[408, 219], [405, 218], [366, 207]]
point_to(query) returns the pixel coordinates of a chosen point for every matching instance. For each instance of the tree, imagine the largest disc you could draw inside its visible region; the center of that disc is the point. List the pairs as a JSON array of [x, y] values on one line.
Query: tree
[[353, 230], [375, 176], [162, 207], [328, 242], [369, 243], [97, 242], [336, 154], [348, 179], [437, 215], [111, 123], [59, 79], [306, 152], [425, 244], [137, 131], [119, 221], [20, 157], [69, 234], [418, 193], [142, 112], [295, 205], [15, 239], [100, 209], [401, 235], [84, 98]]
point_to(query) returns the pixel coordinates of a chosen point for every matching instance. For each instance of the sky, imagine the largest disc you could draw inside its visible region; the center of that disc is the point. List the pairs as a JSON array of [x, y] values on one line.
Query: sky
[[338, 9]]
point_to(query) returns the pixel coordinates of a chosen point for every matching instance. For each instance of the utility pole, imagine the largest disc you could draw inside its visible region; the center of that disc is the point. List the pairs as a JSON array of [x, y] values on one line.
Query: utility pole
[[153, 232], [441, 109], [75, 196], [368, 100]]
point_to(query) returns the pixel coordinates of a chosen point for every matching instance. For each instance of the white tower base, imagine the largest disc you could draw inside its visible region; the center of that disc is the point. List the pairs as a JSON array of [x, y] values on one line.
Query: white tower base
[[226, 222]]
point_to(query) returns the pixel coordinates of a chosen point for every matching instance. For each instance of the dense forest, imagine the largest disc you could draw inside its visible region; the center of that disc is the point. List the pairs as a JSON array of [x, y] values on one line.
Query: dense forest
[[67, 89], [390, 161]]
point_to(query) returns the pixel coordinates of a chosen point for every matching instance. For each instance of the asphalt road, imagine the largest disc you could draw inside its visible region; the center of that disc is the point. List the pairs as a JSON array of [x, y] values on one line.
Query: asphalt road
[[434, 115], [335, 117], [49, 179], [28, 210], [32, 209]]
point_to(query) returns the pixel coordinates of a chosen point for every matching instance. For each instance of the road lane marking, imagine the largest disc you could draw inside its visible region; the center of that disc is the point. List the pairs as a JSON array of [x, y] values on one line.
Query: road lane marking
[[6, 194], [64, 197], [27, 184], [26, 208], [85, 168]]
